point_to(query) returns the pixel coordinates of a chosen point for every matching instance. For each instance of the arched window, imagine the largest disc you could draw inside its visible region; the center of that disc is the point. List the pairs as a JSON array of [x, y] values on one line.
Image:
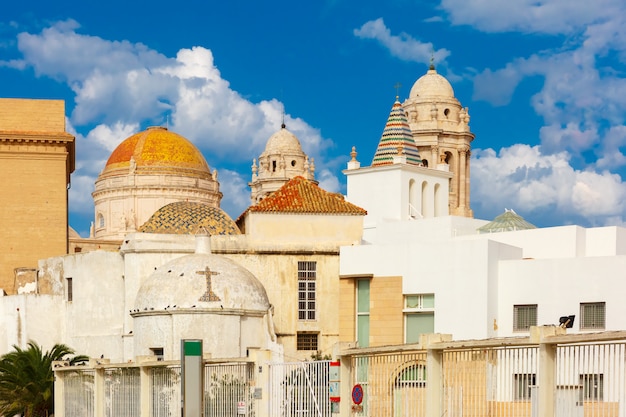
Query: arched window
[[409, 391], [414, 207], [437, 200], [426, 200], [100, 220]]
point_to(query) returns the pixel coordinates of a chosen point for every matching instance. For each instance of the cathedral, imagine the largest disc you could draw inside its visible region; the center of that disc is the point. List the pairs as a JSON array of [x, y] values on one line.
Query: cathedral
[[163, 254]]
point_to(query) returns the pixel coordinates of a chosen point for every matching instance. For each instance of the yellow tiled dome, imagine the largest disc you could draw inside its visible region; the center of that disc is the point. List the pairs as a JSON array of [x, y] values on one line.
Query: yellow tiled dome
[[156, 149], [185, 217]]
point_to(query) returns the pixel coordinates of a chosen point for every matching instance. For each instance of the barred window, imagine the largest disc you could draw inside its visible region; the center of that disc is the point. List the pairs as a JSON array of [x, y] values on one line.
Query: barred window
[[522, 384], [524, 316], [306, 341], [69, 289], [592, 315], [306, 289], [593, 386]]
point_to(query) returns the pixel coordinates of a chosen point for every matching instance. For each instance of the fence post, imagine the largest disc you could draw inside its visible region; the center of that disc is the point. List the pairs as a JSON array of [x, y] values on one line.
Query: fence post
[[345, 377], [59, 390], [546, 380], [434, 372], [98, 390], [144, 390], [261, 359]]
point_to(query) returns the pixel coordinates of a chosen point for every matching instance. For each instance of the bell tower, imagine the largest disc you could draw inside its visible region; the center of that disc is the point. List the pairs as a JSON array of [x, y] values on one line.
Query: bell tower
[[440, 128], [282, 160]]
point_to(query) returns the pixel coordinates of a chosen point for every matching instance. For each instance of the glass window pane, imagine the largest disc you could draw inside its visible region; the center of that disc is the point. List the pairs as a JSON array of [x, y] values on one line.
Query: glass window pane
[[363, 296], [363, 330], [417, 324], [428, 301]]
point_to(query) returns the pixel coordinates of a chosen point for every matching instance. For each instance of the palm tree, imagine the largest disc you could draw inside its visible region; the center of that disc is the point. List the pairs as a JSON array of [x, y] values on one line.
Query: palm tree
[[27, 380]]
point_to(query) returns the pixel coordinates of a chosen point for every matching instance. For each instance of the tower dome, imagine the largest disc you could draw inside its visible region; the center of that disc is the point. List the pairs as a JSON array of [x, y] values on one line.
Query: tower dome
[[282, 160], [145, 172], [440, 128], [432, 84], [283, 141]]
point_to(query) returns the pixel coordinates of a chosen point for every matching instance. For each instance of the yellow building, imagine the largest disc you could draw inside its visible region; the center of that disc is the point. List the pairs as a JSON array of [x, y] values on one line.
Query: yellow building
[[36, 159]]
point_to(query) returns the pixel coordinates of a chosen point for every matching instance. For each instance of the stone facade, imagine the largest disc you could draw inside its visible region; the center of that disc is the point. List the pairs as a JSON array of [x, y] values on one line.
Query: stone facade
[[36, 159], [440, 127]]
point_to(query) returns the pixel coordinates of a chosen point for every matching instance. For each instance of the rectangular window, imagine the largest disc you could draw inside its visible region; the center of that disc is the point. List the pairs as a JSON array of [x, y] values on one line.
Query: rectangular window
[[363, 312], [522, 384], [524, 316], [306, 341], [592, 315], [419, 316], [69, 290], [593, 387], [306, 289]]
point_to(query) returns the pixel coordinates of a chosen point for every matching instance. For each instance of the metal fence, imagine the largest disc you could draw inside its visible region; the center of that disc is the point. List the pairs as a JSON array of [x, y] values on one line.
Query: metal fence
[[493, 381], [228, 391], [79, 394], [164, 391], [299, 389], [393, 384]]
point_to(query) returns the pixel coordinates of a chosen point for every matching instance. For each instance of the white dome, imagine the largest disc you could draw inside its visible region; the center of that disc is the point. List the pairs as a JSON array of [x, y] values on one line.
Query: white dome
[[283, 141], [183, 283], [432, 84]]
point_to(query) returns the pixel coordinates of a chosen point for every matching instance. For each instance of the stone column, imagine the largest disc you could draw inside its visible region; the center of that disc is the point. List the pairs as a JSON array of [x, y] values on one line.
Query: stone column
[[462, 177], [467, 182], [434, 150]]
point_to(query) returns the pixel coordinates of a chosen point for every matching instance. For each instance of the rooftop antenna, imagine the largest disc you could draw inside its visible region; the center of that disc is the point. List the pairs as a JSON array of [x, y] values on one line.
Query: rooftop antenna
[[282, 124]]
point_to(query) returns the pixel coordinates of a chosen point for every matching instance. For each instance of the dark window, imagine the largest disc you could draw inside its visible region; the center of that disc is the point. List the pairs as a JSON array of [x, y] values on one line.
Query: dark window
[[592, 315], [306, 289], [70, 289], [306, 341], [522, 384], [158, 352], [524, 316]]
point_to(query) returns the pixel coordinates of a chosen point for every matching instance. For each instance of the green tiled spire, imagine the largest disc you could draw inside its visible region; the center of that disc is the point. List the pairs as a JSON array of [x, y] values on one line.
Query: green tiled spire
[[397, 134]]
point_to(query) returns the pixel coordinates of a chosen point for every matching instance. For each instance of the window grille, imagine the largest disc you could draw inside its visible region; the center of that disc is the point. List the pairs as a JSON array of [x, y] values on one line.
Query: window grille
[[522, 384], [593, 386], [70, 289], [592, 315], [524, 316], [307, 274], [306, 341]]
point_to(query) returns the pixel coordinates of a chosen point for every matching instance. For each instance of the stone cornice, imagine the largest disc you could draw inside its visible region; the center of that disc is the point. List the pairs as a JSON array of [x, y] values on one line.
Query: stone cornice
[[30, 136]]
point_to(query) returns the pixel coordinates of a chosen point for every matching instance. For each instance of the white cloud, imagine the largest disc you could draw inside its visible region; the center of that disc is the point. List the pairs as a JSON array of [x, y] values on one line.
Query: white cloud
[[582, 103], [234, 187], [531, 16], [402, 46], [120, 87], [532, 183]]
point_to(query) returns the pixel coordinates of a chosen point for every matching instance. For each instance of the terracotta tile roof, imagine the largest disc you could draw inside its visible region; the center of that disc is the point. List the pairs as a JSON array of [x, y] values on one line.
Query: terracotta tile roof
[[301, 196]]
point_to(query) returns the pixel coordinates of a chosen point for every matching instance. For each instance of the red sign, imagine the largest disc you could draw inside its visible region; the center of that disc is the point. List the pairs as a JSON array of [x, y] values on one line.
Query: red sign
[[357, 394]]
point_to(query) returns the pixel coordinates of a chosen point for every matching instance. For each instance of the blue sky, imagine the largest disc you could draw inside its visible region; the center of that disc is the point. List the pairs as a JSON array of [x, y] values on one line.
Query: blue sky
[[544, 80]]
